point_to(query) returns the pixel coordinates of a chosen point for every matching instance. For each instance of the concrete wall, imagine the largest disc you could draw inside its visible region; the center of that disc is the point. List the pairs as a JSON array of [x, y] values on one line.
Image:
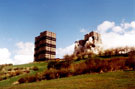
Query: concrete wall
[[45, 46]]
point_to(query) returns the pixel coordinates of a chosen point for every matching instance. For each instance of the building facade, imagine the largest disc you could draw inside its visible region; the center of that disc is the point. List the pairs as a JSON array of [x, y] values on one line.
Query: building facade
[[45, 46]]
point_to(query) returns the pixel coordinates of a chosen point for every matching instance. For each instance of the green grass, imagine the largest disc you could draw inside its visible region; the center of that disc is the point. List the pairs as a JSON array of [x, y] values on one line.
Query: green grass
[[41, 65], [110, 80]]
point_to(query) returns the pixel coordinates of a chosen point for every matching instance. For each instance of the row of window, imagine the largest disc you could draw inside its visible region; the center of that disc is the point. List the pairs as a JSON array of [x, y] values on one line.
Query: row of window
[[44, 38], [44, 52], [44, 45]]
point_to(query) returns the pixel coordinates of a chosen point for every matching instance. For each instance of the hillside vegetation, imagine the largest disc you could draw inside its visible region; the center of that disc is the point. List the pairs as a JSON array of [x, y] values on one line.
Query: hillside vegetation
[[8, 73], [110, 80]]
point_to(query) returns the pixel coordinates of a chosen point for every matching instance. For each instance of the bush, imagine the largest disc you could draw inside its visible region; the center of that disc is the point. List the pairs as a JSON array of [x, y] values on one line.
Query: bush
[[105, 67], [1, 78], [131, 62], [117, 63], [32, 78], [80, 68], [9, 69], [67, 57], [59, 64], [51, 64], [35, 68], [22, 80], [64, 72], [59, 69], [51, 74], [26, 71], [40, 76], [63, 64], [18, 72], [92, 65], [29, 79]]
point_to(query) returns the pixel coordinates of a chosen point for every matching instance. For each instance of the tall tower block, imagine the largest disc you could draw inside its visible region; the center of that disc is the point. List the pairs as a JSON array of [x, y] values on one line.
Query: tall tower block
[[45, 46]]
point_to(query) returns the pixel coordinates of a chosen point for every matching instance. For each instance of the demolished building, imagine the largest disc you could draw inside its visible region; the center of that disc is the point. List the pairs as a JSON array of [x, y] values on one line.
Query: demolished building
[[91, 43]]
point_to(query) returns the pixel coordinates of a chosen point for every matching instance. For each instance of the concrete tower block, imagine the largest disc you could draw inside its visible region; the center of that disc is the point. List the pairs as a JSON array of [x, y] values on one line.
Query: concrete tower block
[[45, 46]]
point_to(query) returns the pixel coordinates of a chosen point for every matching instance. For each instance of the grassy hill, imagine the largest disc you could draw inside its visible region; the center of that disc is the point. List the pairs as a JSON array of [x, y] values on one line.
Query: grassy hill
[[109, 80], [9, 81]]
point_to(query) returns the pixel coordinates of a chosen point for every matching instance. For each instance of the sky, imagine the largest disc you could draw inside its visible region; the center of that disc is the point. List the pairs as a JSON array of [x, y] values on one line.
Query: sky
[[22, 20]]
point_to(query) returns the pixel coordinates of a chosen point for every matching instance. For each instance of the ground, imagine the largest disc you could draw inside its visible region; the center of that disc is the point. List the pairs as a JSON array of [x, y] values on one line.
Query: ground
[[109, 80]]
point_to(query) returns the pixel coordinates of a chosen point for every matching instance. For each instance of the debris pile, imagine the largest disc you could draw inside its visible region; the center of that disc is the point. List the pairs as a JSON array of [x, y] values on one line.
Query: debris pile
[[92, 43]]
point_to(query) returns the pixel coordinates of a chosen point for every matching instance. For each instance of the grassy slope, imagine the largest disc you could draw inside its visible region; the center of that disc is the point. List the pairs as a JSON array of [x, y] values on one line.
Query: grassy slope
[[110, 80], [42, 66]]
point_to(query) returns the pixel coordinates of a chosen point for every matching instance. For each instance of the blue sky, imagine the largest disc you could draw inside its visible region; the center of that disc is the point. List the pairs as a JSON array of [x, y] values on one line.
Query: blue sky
[[22, 20]]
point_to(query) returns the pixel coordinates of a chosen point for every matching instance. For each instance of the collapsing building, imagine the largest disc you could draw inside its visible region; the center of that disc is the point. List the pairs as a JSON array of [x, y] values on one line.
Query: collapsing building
[[91, 43], [45, 46]]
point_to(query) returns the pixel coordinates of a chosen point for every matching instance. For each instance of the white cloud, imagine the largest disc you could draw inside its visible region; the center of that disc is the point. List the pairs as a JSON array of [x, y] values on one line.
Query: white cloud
[[133, 24], [60, 52], [125, 25], [25, 48], [105, 26], [117, 29], [118, 36], [24, 53], [5, 56]]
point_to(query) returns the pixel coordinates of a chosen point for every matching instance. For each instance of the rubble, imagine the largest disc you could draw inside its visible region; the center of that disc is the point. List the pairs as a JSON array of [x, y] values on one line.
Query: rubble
[[91, 43]]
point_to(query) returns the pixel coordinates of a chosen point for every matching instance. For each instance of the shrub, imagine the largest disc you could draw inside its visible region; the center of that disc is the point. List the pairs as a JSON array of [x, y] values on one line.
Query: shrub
[[51, 74], [39, 76], [26, 71], [1, 78], [86, 56], [67, 57], [59, 69], [105, 66], [32, 78], [16, 68], [64, 72], [35, 68], [80, 68], [51, 64], [9, 69], [92, 65], [59, 64], [117, 63], [29, 79], [63, 64], [131, 62], [18, 72], [74, 57], [80, 56], [22, 80]]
